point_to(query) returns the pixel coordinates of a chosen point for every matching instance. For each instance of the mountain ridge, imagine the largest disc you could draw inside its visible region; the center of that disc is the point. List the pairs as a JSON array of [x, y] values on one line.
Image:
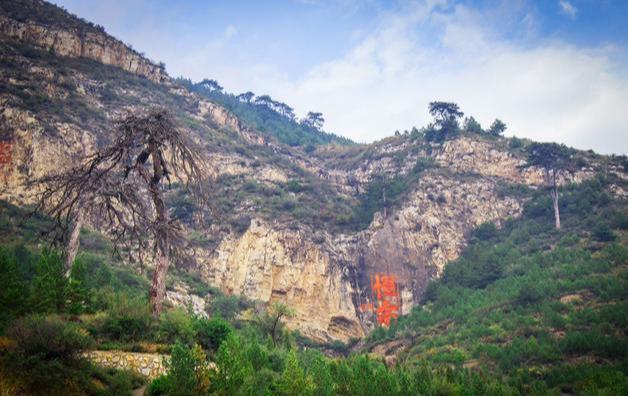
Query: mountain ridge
[[311, 229]]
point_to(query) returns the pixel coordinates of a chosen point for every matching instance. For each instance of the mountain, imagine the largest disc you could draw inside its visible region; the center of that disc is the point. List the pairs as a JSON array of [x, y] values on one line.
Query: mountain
[[455, 237], [292, 217]]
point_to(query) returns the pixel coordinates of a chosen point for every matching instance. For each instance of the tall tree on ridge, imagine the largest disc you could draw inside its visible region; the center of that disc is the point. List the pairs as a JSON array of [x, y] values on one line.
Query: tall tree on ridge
[[554, 159]]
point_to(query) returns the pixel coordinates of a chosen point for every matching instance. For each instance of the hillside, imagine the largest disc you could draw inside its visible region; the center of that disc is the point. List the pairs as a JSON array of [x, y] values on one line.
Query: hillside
[[457, 230]]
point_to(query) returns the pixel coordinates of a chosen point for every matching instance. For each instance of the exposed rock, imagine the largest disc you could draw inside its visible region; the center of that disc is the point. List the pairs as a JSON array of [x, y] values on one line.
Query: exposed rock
[[284, 265], [181, 297], [99, 47]]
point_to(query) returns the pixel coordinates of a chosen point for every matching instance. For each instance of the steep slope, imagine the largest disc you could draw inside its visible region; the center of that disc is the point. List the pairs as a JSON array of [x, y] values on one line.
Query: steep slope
[[322, 232], [545, 310]]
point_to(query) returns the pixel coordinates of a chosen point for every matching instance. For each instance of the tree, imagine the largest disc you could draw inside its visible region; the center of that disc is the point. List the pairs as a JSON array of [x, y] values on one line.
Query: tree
[[446, 115], [497, 127], [293, 380], [271, 322], [211, 85], [555, 159], [78, 294], [188, 371], [265, 101], [12, 288], [49, 284], [212, 332], [233, 369], [471, 125], [121, 187], [314, 120], [245, 97]]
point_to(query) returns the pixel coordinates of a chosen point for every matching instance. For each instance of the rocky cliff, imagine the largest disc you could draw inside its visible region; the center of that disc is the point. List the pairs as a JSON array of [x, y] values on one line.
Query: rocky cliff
[[75, 41], [281, 227]]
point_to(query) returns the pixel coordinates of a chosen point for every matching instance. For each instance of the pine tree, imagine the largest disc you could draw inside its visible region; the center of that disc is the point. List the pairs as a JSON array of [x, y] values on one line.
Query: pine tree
[[78, 294], [293, 380], [12, 286], [49, 284]]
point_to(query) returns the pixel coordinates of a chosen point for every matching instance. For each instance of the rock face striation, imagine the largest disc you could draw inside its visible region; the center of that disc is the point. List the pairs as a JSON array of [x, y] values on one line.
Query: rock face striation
[[264, 245], [78, 42]]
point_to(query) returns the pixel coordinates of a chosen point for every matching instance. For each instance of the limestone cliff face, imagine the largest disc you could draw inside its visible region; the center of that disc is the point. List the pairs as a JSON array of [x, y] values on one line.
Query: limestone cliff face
[[415, 242], [269, 264], [99, 47]]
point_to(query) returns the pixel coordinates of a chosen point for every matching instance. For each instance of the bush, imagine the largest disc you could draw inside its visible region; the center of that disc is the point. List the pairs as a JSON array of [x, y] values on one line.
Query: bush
[[45, 355], [212, 332], [529, 293], [603, 233], [485, 231], [49, 284], [225, 306], [12, 287], [187, 372], [159, 387], [129, 319], [176, 325]]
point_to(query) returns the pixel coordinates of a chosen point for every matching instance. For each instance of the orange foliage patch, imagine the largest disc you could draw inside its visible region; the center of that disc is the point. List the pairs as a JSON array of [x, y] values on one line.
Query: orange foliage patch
[[6, 153], [386, 295]]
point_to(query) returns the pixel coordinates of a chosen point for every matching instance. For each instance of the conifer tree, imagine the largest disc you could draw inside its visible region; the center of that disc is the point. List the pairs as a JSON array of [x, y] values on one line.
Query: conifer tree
[[78, 294], [12, 286], [49, 284]]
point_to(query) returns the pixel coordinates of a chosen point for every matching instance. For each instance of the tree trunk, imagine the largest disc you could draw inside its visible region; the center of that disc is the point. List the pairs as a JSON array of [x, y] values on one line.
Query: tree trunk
[[554, 194], [73, 242], [158, 286], [162, 237]]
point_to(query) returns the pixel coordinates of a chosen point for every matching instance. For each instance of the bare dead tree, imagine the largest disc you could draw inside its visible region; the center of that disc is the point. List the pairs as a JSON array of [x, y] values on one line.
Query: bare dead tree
[[122, 188]]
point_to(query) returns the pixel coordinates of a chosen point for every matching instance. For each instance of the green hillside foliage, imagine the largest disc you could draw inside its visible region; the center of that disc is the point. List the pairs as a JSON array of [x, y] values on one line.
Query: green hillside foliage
[[283, 127], [543, 309]]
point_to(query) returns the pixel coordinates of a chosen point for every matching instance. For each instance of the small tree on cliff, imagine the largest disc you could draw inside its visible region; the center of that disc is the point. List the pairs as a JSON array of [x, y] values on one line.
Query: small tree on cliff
[[446, 125], [121, 188], [555, 159], [497, 127], [270, 322]]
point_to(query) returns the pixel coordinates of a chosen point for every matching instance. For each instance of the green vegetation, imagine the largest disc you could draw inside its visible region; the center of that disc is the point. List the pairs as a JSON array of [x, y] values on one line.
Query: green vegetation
[[533, 305], [384, 192], [269, 117]]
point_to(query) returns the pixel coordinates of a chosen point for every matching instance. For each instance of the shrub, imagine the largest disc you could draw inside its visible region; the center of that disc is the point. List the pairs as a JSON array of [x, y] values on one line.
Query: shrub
[[212, 332], [49, 284], [77, 294], [44, 356], [293, 380], [603, 233], [225, 307], [12, 287], [529, 293], [159, 387], [187, 372], [174, 325], [233, 368], [485, 231], [129, 319]]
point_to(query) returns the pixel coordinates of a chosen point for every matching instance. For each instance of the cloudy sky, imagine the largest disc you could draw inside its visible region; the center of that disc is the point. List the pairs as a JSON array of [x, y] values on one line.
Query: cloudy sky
[[553, 70]]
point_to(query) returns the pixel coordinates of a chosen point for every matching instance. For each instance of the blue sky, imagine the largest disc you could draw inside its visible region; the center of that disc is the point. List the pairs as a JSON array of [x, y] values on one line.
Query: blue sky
[[553, 70]]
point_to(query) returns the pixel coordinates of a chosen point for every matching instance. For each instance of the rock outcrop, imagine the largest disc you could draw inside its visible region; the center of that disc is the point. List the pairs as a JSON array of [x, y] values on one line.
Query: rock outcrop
[[91, 44]]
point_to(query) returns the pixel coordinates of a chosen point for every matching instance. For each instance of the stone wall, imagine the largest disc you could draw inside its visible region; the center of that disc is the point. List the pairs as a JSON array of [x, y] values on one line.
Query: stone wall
[[150, 365]]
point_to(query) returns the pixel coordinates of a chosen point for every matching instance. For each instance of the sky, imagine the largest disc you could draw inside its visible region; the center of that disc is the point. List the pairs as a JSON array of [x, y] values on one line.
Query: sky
[[552, 70]]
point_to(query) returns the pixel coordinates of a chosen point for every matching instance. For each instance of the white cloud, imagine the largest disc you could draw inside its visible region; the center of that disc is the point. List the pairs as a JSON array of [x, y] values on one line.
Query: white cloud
[[550, 92], [567, 8], [545, 90]]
